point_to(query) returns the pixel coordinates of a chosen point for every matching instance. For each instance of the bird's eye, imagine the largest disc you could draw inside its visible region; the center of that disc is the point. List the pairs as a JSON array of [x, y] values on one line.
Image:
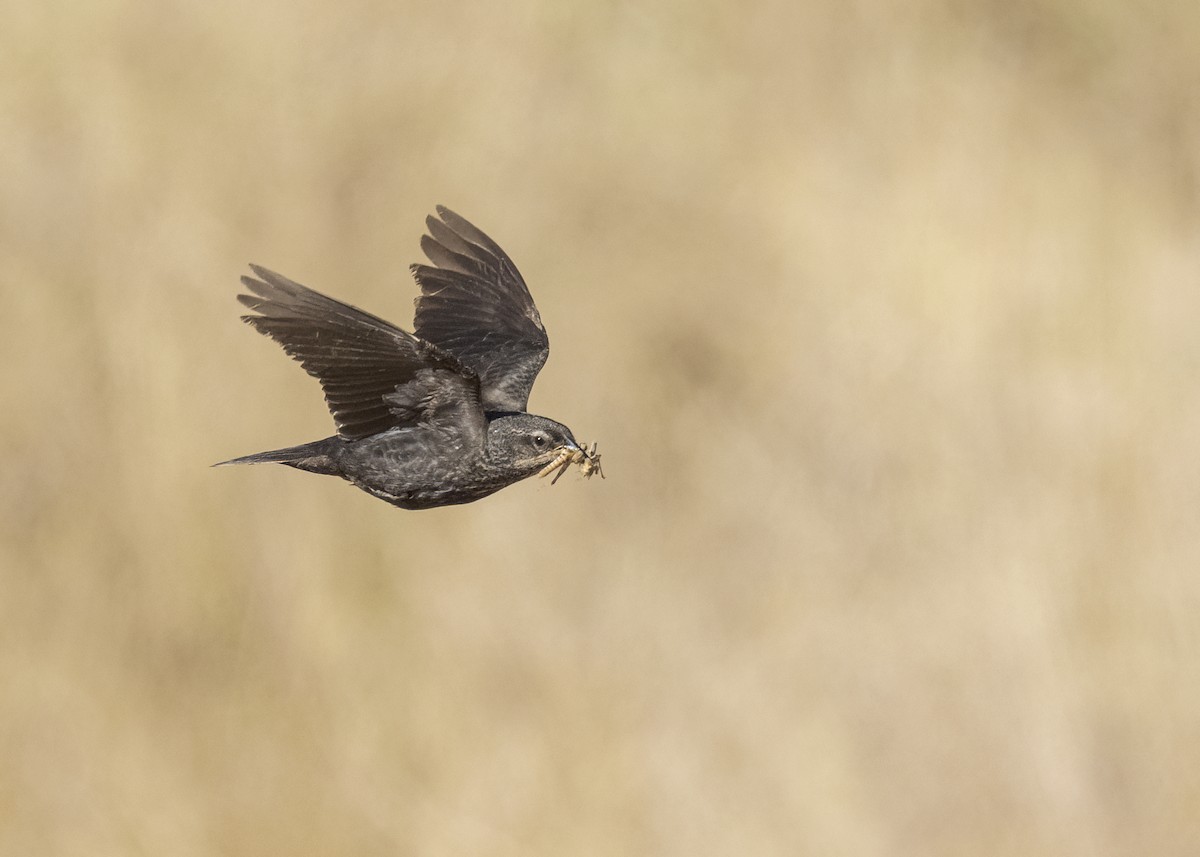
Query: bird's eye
[[540, 440]]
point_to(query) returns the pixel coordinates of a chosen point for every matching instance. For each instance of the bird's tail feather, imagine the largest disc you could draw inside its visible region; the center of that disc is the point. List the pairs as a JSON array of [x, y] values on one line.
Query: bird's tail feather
[[315, 457]]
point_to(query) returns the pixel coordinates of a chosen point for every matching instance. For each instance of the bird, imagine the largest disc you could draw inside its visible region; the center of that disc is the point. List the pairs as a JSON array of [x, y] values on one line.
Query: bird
[[436, 417]]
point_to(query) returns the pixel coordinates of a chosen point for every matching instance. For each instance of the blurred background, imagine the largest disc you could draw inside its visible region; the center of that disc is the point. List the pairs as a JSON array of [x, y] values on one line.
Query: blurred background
[[884, 319]]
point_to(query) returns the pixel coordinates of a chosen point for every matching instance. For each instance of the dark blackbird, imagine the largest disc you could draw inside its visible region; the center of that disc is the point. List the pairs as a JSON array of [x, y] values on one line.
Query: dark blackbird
[[431, 419]]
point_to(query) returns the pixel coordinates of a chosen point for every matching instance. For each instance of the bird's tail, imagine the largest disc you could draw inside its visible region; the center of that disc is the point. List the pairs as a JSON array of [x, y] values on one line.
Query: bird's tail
[[316, 457]]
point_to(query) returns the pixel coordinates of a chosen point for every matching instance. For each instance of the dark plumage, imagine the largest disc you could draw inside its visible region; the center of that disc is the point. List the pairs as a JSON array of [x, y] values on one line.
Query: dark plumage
[[431, 419]]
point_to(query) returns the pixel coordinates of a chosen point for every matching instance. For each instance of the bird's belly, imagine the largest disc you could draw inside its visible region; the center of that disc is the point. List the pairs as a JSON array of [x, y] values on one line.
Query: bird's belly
[[413, 470], [424, 499]]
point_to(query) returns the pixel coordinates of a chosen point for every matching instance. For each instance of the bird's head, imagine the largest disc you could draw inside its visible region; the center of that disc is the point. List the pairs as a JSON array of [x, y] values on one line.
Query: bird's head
[[528, 443]]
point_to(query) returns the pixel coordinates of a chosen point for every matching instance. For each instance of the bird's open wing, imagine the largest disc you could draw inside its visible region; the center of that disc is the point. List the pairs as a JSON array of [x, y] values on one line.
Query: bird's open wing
[[475, 306], [375, 376]]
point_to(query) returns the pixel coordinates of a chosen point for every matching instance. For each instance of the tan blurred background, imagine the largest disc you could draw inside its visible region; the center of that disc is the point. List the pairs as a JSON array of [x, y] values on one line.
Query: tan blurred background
[[886, 323]]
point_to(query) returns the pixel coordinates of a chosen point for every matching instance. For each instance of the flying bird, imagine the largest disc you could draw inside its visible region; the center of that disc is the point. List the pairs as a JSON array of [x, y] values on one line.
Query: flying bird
[[431, 418]]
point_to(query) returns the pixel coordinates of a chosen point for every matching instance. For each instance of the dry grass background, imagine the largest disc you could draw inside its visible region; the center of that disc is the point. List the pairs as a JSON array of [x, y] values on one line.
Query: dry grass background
[[886, 322]]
